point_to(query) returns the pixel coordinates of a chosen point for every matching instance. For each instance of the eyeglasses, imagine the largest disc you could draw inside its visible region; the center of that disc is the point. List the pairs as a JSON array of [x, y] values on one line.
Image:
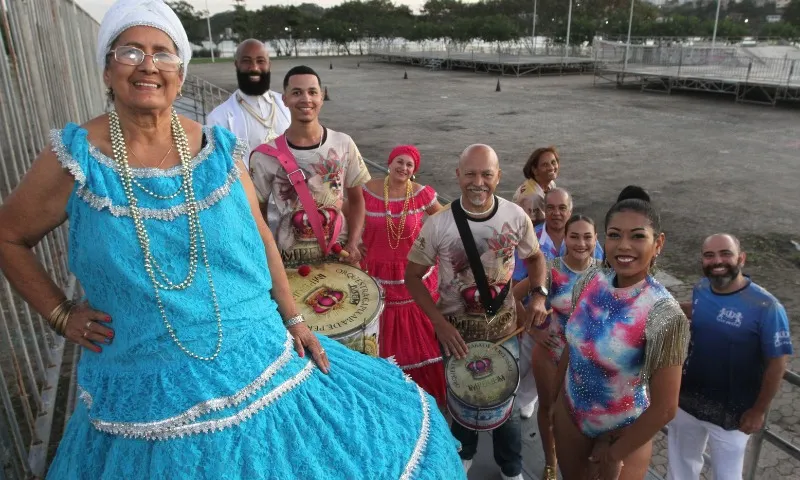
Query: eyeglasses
[[133, 56]]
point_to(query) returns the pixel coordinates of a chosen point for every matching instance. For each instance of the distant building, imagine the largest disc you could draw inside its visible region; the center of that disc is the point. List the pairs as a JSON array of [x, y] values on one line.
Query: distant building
[[226, 48], [773, 18], [781, 4]]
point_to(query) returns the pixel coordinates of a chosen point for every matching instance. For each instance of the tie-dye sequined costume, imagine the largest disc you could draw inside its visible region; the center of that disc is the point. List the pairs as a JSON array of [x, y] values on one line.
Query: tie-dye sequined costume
[[617, 338], [562, 280]]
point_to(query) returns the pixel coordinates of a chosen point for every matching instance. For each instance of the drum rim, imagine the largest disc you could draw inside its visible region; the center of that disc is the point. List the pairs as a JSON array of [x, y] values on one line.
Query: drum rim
[[506, 417], [381, 304], [499, 402]]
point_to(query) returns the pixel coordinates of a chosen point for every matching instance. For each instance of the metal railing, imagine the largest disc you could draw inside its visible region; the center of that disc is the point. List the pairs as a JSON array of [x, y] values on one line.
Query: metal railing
[[766, 434], [48, 77], [727, 63], [459, 49], [198, 98]]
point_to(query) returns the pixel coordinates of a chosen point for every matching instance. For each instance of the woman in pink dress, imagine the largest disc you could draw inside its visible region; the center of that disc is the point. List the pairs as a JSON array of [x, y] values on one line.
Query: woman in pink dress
[[395, 207]]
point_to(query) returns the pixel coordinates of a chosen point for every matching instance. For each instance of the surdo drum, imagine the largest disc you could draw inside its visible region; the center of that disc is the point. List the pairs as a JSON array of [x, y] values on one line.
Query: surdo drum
[[340, 302], [481, 387]]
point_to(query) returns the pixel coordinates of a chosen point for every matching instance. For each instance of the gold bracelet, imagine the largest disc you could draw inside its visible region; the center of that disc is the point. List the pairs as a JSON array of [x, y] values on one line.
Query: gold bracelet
[[58, 317]]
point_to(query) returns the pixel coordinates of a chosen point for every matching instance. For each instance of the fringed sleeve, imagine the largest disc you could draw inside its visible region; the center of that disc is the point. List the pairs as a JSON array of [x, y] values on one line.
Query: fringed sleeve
[[580, 285], [667, 337]]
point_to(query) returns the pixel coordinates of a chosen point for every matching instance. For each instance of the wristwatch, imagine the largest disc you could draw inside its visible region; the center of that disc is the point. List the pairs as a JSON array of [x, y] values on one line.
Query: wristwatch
[[540, 290]]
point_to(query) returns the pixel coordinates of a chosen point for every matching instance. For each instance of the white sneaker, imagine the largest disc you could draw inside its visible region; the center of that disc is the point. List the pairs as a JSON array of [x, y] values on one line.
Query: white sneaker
[[527, 411], [515, 477], [467, 464]]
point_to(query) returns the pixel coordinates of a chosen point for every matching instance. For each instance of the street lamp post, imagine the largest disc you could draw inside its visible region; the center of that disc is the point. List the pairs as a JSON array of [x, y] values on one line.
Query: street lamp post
[[628, 43], [716, 21], [533, 30], [210, 37], [569, 25]]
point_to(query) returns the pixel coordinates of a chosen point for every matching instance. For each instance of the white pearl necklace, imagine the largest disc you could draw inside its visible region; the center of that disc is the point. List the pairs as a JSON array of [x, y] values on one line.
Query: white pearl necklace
[[195, 230]]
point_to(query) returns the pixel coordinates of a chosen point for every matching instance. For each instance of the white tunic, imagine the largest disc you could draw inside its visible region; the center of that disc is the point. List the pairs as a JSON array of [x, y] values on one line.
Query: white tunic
[[234, 117]]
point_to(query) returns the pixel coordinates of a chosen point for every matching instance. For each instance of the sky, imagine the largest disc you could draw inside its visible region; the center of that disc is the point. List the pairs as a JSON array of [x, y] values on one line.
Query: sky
[[97, 8]]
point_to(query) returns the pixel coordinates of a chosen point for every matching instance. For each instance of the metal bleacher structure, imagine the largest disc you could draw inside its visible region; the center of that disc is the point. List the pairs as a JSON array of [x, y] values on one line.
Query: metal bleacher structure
[[38, 368], [762, 74], [545, 60]]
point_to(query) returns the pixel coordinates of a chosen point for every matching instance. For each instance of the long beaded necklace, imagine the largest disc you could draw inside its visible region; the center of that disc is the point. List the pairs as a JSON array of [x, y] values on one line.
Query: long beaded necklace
[[195, 230], [393, 230]]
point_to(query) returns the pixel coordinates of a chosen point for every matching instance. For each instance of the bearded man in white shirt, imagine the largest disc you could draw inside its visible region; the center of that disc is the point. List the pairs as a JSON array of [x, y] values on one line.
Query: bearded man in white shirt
[[253, 113]]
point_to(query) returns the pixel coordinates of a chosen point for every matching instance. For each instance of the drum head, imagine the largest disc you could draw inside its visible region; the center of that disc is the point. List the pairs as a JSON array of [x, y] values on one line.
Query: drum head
[[336, 299], [487, 377]]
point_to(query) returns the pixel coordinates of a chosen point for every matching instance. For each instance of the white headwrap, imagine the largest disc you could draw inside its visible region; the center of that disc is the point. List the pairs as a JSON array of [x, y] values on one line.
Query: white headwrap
[[125, 14]]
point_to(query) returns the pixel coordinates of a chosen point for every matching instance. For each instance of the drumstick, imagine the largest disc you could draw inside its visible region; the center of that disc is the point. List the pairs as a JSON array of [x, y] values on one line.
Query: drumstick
[[337, 249], [515, 332]]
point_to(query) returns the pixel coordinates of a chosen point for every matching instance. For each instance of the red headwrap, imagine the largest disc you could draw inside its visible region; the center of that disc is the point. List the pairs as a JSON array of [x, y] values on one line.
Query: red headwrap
[[409, 150]]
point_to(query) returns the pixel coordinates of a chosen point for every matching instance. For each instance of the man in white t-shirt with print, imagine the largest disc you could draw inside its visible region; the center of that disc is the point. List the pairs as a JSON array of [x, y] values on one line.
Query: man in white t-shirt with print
[[498, 228], [332, 166]]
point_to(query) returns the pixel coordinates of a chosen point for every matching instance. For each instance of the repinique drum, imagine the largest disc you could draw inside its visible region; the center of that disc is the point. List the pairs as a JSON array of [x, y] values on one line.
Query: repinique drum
[[481, 387], [340, 302]]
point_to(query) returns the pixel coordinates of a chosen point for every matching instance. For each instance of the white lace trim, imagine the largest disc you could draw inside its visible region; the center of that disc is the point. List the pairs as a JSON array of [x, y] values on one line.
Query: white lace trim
[[425, 363], [65, 157], [421, 209], [422, 441], [85, 397], [167, 214], [402, 282], [396, 215], [157, 172], [167, 427], [401, 302], [398, 199], [240, 150]]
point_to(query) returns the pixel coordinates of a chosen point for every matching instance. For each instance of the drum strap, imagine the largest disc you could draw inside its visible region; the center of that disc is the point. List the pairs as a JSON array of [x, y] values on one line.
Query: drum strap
[[491, 305], [297, 177]]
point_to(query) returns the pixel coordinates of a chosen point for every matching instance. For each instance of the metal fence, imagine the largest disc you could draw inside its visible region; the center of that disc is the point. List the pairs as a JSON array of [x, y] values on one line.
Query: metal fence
[[728, 63], [48, 77], [198, 98], [543, 47]]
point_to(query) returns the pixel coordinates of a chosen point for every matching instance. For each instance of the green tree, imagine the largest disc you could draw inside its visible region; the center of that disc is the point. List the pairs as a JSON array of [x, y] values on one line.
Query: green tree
[[791, 14], [193, 21]]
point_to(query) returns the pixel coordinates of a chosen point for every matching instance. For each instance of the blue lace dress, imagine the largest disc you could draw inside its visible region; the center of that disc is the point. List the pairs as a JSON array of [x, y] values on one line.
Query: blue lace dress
[[258, 411]]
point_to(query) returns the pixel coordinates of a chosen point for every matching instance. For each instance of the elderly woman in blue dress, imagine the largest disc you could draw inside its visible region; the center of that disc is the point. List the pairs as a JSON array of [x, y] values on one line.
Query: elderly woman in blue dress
[[196, 362]]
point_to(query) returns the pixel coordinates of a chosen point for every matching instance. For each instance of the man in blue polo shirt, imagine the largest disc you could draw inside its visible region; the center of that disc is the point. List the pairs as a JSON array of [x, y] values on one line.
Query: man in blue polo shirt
[[738, 353]]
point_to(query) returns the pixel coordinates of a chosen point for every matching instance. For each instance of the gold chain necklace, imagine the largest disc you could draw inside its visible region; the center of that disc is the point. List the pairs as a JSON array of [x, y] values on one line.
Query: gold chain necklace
[[393, 230], [269, 123], [195, 230]]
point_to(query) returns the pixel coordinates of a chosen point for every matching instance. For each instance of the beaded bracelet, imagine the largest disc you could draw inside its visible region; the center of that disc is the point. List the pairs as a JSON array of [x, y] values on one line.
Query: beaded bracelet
[[293, 321]]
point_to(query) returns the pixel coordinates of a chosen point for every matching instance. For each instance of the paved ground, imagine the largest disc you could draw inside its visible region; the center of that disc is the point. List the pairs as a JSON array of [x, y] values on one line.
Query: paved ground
[[710, 164]]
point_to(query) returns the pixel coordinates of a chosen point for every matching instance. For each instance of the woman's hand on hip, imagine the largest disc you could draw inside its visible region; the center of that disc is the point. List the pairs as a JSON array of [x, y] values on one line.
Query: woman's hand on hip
[[87, 327], [304, 339]]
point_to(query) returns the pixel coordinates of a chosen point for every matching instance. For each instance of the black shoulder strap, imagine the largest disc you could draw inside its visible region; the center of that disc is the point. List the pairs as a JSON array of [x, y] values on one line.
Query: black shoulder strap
[[489, 304]]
